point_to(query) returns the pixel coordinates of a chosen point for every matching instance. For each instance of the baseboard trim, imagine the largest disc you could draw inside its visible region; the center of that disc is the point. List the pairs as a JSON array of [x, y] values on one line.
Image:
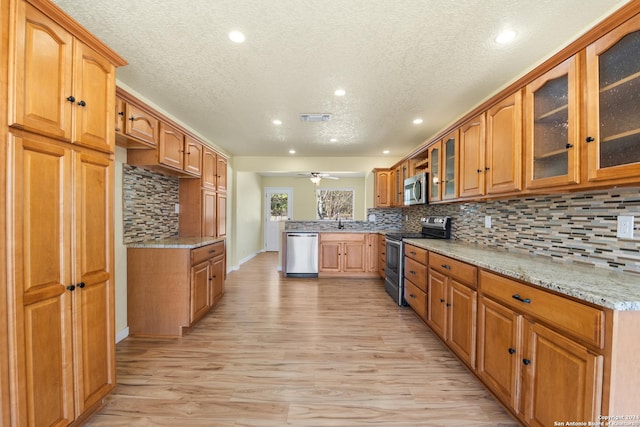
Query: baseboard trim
[[122, 334]]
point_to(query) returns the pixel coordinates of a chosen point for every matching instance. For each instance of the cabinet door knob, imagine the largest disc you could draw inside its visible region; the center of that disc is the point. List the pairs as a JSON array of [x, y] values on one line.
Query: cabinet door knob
[[412, 295], [479, 170], [71, 98], [441, 299], [71, 288], [445, 266], [121, 113], [132, 118], [590, 139], [82, 103], [568, 146], [526, 361], [486, 168], [412, 272], [512, 350], [81, 285]]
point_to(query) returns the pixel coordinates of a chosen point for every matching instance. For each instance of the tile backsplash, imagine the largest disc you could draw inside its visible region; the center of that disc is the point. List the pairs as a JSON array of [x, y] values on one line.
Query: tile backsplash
[[575, 227], [149, 205]]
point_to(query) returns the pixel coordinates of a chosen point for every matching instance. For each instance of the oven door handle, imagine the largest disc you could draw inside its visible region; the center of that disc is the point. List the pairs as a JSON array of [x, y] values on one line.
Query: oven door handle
[[393, 242]]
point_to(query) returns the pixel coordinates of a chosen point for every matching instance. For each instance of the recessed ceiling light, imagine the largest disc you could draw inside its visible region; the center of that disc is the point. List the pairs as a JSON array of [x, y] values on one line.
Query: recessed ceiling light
[[333, 140], [292, 151], [417, 121], [277, 122], [340, 92], [386, 152], [236, 36], [505, 37]]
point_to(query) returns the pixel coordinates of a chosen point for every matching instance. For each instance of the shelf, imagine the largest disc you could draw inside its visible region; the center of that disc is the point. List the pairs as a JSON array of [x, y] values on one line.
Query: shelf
[[620, 82], [550, 154], [620, 135], [552, 113]]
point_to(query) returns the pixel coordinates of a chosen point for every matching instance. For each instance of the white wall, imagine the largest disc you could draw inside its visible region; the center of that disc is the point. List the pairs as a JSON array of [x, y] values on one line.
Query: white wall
[[246, 214], [120, 276]]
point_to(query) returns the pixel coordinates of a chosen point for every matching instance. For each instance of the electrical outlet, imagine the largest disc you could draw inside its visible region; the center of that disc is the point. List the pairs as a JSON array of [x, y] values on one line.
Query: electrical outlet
[[625, 227], [176, 208], [487, 221]]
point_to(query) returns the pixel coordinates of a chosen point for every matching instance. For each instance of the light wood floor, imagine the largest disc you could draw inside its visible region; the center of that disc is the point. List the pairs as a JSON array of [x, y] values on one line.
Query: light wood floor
[[298, 352]]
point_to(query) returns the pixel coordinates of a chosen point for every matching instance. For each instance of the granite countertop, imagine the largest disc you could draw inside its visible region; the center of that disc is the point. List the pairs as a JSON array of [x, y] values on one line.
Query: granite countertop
[[615, 290], [177, 242]]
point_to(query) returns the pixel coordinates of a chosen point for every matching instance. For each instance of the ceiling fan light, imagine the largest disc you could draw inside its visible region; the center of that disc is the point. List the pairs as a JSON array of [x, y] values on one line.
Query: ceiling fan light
[[315, 179]]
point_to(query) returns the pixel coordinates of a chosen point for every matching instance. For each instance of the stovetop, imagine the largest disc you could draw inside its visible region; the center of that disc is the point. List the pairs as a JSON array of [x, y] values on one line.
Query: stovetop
[[433, 227], [399, 235]]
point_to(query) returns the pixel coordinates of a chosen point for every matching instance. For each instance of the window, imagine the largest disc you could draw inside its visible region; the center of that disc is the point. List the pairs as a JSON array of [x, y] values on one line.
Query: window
[[331, 202]]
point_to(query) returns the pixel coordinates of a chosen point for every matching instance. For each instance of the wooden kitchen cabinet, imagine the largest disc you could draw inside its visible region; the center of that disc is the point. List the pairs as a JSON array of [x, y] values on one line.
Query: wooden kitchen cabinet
[[176, 154], [613, 88], [552, 123], [170, 289], [344, 254], [554, 375], [59, 337], [65, 332], [67, 102], [221, 173], [382, 188], [372, 252], [451, 304], [444, 169], [415, 279], [209, 177], [472, 173], [382, 256], [136, 128]]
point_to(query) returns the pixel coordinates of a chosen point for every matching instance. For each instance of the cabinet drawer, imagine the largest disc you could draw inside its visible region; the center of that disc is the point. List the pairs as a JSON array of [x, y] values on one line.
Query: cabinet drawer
[[205, 252], [343, 237], [416, 298], [416, 253], [581, 321], [416, 272], [456, 269]]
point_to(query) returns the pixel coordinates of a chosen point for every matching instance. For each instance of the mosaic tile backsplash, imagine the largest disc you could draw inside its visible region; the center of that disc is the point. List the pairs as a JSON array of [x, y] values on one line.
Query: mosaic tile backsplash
[[149, 205], [576, 227]]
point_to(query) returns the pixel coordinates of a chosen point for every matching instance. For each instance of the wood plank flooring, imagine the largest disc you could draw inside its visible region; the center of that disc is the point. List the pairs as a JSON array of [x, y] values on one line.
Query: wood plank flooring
[[298, 352]]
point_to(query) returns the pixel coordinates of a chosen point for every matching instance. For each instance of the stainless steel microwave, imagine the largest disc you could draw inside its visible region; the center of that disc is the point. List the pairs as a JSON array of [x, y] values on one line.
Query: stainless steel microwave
[[415, 190]]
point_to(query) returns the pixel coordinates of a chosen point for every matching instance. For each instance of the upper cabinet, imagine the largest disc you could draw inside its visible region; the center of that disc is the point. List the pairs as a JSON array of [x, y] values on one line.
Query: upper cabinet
[[135, 127], [472, 167], [67, 101], [613, 94], [503, 162], [221, 176], [444, 169], [552, 127], [382, 190]]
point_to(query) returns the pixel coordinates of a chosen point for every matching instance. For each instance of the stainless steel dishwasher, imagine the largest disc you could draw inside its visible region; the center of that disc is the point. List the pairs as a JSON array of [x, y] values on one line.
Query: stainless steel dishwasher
[[302, 254]]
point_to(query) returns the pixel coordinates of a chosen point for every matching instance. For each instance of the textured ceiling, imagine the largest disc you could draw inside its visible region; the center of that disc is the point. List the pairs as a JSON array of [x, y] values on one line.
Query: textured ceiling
[[397, 60]]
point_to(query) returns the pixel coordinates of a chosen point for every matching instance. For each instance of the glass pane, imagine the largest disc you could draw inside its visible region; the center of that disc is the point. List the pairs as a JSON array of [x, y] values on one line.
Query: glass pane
[[450, 166], [550, 129], [435, 173], [335, 204], [279, 207], [620, 102]]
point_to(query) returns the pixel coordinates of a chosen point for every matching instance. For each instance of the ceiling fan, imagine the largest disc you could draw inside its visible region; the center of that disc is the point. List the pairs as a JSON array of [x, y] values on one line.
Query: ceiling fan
[[315, 177]]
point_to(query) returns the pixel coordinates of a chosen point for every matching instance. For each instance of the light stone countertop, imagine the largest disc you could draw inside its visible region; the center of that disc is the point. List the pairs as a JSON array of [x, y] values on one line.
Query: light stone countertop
[[177, 242], [616, 290]]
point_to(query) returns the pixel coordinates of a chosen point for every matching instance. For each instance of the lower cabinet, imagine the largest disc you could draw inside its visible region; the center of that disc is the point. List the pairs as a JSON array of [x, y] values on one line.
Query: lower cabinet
[[415, 279], [346, 254], [170, 289], [541, 374], [382, 256], [451, 305]]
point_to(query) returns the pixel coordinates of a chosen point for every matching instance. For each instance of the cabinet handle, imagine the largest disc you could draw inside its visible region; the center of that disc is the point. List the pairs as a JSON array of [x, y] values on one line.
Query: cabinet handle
[[71, 288], [412, 253], [132, 118], [519, 298], [121, 113], [512, 350], [441, 299], [412, 295], [589, 139], [445, 266], [448, 304], [71, 98], [568, 146], [526, 361], [82, 103], [412, 272], [479, 170], [81, 285], [486, 168], [212, 251]]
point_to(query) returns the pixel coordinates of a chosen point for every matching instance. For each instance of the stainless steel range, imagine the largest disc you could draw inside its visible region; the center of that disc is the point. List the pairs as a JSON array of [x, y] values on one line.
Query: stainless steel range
[[433, 227]]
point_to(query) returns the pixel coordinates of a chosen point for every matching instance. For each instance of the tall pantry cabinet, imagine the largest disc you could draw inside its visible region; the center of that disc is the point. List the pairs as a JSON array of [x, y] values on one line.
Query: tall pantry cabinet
[[58, 82]]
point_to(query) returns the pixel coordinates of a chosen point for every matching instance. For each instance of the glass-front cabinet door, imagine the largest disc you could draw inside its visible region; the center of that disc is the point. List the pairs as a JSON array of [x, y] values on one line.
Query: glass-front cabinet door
[[551, 125], [435, 175], [449, 166], [613, 104]]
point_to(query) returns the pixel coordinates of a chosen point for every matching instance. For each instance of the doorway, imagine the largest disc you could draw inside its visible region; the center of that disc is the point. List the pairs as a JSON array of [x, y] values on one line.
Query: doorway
[[278, 207]]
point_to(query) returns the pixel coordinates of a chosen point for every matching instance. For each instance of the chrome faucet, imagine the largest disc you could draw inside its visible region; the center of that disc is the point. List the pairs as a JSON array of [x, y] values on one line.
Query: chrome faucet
[[340, 224]]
